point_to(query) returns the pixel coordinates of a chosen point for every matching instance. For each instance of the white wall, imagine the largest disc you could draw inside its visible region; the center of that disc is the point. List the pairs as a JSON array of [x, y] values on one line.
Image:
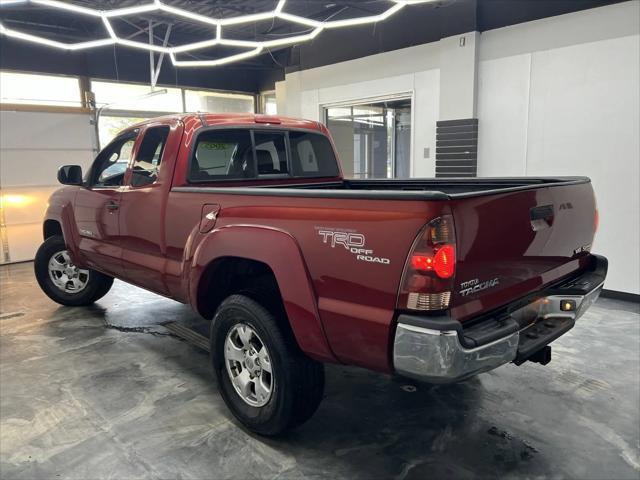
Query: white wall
[[571, 109], [422, 86], [458, 80], [427, 72], [32, 147]]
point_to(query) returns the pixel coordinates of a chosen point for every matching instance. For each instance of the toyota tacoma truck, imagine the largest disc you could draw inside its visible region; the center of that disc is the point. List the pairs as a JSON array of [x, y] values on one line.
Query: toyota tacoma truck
[[248, 219]]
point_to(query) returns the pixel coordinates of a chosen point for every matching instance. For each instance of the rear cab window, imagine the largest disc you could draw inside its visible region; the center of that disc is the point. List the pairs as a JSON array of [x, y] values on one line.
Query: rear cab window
[[253, 153], [312, 155], [222, 154], [271, 153]]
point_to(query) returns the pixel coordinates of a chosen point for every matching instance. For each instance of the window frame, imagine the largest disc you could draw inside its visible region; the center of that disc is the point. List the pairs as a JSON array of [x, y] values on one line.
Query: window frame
[[125, 136], [258, 177], [134, 157]]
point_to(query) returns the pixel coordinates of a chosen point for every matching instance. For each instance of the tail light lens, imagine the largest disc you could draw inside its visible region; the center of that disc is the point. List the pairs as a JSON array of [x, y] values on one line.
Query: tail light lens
[[427, 280]]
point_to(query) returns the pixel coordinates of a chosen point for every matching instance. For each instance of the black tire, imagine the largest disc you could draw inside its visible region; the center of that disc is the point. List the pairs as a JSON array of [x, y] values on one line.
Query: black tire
[[98, 284], [298, 379]]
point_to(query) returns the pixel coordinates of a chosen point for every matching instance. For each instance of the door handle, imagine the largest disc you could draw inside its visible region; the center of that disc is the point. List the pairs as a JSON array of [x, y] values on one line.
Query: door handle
[[112, 206]]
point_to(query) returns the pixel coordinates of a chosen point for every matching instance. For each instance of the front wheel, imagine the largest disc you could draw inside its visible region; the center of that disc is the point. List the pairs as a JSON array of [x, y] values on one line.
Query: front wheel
[[266, 381], [62, 281]]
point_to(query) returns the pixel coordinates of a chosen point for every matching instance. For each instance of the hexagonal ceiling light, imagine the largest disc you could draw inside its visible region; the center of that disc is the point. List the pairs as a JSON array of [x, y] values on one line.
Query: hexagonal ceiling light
[[254, 47]]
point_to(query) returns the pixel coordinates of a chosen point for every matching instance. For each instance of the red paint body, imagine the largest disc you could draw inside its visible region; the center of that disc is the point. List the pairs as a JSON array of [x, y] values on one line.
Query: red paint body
[[341, 310]]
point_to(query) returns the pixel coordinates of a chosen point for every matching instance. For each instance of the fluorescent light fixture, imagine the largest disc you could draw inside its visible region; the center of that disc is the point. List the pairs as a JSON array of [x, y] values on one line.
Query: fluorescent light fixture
[[229, 42], [217, 62], [349, 22], [301, 20], [92, 44], [143, 46], [195, 46], [109, 28], [254, 17], [67, 6], [288, 40], [413, 2], [217, 35]]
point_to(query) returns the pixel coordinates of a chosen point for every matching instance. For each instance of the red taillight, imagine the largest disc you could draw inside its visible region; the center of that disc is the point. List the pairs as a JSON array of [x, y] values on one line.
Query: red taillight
[[445, 261], [422, 262], [427, 280]]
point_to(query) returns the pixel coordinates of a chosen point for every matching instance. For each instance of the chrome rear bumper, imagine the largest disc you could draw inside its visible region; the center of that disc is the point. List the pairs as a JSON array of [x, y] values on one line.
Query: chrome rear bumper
[[444, 355]]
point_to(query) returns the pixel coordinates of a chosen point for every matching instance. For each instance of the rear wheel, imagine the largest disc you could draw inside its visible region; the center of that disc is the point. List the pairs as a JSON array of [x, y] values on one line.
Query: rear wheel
[[62, 281], [265, 380]]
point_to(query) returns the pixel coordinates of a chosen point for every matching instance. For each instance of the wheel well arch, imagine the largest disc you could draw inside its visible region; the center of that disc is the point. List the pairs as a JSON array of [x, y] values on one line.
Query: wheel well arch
[[227, 276], [227, 260], [51, 228]]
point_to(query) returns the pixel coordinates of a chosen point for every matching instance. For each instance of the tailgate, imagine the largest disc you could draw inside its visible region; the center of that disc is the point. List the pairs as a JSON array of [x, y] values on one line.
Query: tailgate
[[512, 244]]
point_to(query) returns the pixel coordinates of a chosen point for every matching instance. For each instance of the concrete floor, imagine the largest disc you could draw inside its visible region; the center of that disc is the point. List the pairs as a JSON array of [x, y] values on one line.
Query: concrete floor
[[106, 392]]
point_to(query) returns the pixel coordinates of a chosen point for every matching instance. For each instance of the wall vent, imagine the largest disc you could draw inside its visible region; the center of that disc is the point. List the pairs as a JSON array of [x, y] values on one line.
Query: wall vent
[[457, 148]]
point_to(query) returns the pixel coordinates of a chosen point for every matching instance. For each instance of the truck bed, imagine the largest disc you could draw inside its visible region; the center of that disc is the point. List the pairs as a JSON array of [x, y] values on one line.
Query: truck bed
[[390, 189]]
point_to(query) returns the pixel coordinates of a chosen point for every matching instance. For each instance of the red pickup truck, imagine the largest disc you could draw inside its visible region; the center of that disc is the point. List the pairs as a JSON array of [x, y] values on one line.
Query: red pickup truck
[[248, 219]]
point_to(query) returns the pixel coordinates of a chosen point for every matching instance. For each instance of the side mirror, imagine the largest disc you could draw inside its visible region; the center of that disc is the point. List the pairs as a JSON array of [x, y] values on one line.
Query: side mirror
[[70, 175]]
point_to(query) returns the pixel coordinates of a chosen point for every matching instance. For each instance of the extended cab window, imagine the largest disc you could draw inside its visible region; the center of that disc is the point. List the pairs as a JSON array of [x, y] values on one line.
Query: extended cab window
[[312, 155], [147, 162], [271, 153], [111, 164], [222, 154]]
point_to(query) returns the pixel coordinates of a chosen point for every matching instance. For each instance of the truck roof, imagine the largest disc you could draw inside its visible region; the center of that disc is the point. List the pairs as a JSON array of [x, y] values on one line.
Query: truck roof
[[238, 119]]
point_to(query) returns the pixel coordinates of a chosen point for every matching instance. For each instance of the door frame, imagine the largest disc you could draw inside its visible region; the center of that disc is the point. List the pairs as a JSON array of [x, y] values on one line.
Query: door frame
[[354, 102]]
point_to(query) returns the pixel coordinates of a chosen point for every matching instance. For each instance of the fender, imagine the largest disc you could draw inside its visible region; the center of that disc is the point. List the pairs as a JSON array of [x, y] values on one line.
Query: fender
[[60, 209], [280, 251]]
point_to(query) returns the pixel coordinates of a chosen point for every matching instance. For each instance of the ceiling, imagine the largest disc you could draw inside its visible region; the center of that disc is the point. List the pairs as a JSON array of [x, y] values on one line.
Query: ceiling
[[413, 25]]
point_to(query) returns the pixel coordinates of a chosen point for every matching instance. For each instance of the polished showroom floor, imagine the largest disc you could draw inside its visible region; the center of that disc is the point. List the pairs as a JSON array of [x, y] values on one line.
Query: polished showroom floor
[[108, 392]]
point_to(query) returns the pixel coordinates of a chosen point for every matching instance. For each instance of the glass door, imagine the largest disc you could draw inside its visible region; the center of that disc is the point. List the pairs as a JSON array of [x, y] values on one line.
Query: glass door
[[373, 140]]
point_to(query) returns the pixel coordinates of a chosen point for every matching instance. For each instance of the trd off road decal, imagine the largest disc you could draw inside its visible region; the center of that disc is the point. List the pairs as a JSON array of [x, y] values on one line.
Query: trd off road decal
[[352, 241]]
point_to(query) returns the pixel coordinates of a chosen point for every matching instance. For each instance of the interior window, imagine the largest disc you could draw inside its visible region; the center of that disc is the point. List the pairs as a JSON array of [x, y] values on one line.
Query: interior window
[[221, 154], [312, 155], [111, 164], [271, 153], [147, 163]]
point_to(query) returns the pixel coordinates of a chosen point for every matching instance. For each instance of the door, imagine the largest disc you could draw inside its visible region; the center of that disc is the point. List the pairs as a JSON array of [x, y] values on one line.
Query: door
[[142, 210], [96, 207], [373, 140]]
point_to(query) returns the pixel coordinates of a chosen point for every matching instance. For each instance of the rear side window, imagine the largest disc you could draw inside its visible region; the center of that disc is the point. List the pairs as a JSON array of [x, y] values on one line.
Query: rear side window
[[312, 155], [222, 154], [147, 163]]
